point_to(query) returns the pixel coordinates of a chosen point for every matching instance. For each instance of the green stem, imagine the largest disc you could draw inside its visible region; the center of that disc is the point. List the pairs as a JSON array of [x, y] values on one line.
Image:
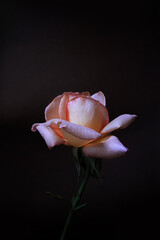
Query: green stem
[[75, 203]]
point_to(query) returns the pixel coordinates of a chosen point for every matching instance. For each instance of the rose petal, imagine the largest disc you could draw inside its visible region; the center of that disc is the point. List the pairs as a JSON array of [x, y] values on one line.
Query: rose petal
[[50, 137], [63, 106], [75, 135], [72, 140], [87, 112], [99, 96], [77, 94], [52, 110], [76, 130], [120, 122], [110, 147]]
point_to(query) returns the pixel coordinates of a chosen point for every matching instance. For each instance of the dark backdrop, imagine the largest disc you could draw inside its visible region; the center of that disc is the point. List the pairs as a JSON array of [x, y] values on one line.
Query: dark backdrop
[[51, 48]]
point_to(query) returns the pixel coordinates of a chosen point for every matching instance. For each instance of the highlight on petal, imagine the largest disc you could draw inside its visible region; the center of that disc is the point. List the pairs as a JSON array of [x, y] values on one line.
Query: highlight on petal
[[52, 110], [120, 122], [87, 112], [74, 134], [99, 96], [72, 140], [56, 109], [108, 148], [75, 129], [50, 137], [62, 106]]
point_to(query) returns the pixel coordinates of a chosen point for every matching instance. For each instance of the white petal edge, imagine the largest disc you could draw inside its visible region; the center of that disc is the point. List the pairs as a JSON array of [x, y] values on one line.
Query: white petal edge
[[99, 96], [110, 147], [50, 137], [120, 122]]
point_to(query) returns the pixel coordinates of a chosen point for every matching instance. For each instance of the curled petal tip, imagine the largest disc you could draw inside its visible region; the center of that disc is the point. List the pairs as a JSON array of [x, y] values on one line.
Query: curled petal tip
[[120, 122], [134, 116], [107, 148], [50, 137], [99, 96], [121, 148], [126, 150], [34, 127]]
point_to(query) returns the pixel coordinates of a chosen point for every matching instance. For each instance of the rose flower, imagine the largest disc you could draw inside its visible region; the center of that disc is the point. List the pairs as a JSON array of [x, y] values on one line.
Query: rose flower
[[81, 120]]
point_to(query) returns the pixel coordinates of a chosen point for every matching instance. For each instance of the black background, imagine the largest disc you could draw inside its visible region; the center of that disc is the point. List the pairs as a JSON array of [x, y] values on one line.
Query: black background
[[48, 49]]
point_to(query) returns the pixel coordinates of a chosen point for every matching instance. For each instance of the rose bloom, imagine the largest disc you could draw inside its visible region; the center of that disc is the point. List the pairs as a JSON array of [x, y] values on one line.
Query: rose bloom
[[81, 120]]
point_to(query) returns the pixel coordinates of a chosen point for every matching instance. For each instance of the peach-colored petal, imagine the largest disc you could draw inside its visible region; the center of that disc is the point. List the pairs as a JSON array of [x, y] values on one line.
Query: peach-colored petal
[[63, 106], [75, 129], [120, 122], [110, 147], [73, 95], [72, 140], [51, 124], [50, 137], [87, 94], [52, 110], [77, 94], [87, 112], [99, 96], [74, 134]]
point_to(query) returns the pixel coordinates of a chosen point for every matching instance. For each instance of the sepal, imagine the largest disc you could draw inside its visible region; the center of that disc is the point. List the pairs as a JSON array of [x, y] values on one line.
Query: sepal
[[93, 168], [83, 162]]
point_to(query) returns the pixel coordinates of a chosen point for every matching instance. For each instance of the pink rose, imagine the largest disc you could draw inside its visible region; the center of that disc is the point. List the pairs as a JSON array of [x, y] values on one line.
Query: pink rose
[[81, 120]]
